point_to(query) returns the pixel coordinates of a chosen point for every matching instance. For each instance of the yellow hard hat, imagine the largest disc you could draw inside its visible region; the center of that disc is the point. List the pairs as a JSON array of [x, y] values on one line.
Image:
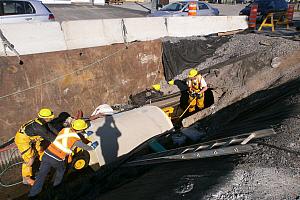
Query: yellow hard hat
[[171, 82], [193, 73], [46, 113], [79, 125]]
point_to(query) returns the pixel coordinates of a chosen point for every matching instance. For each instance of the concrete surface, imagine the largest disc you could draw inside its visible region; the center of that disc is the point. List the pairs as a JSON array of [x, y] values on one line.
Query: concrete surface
[[120, 133], [125, 10], [225, 9], [84, 12]]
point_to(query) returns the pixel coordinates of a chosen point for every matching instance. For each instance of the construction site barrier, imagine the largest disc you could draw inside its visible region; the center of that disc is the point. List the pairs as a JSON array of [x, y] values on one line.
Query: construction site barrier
[[192, 9], [204, 25], [30, 38], [91, 33], [51, 36], [252, 16], [268, 22], [290, 13], [278, 18], [151, 30]]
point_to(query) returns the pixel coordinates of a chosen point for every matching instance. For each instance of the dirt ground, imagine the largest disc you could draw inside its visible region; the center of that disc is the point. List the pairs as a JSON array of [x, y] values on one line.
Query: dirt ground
[[253, 90]]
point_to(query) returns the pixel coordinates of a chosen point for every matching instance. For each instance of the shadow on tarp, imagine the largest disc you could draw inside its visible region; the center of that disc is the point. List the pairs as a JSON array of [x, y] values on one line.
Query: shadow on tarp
[[260, 110]]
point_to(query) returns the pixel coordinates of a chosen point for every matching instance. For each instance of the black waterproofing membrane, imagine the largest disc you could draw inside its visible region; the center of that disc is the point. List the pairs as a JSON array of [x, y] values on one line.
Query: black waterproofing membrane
[[184, 54]]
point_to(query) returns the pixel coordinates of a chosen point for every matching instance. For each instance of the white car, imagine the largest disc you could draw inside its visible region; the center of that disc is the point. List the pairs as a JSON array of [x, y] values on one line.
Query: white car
[[181, 8], [24, 11]]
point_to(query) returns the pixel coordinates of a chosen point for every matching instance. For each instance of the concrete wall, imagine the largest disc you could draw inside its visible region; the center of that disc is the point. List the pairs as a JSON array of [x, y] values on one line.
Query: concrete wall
[[109, 80], [91, 33], [30, 38], [51, 36], [204, 25]]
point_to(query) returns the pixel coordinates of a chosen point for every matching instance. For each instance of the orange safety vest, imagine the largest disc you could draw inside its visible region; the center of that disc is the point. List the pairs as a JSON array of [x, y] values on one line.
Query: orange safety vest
[[61, 147], [194, 84]]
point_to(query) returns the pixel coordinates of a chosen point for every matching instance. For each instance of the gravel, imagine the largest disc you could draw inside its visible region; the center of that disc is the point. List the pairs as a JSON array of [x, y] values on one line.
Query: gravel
[[243, 44], [238, 45]]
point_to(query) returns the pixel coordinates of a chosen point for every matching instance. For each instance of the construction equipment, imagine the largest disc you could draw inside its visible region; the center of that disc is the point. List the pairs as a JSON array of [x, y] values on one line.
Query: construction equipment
[[225, 146], [253, 16], [268, 22]]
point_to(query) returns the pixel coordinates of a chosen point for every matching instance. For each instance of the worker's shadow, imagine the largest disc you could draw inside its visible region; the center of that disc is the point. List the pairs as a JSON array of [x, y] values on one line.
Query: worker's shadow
[[108, 134]]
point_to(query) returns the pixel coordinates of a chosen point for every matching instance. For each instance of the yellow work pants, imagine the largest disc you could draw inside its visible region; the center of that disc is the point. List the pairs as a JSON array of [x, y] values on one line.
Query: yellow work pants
[[196, 101], [29, 147]]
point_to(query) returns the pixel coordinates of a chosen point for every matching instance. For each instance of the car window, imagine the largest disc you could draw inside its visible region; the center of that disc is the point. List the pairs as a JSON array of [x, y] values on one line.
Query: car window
[[173, 7], [17, 8], [46, 7], [202, 6], [29, 9], [1, 9], [13, 8]]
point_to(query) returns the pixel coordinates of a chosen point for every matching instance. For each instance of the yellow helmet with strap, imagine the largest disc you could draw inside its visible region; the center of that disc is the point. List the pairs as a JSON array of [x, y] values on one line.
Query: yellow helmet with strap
[[79, 125], [192, 73], [46, 113]]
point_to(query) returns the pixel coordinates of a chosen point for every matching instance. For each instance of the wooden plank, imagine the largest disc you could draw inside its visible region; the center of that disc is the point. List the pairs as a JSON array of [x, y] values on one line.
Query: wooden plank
[[229, 32]]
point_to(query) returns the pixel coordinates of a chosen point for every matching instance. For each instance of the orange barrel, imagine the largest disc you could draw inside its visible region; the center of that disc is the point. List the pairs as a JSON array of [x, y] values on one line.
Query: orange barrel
[[252, 16], [290, 13], [192, 9]]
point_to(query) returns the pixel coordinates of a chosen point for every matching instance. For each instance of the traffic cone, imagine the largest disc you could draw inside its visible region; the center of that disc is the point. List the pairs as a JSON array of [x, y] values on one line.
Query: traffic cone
[[192, 9]]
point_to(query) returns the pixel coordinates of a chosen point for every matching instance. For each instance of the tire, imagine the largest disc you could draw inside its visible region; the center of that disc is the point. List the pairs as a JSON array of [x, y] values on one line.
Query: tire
[[80, 161]]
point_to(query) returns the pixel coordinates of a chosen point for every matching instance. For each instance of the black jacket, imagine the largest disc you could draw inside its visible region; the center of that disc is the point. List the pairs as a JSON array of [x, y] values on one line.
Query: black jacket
[[38, 127]]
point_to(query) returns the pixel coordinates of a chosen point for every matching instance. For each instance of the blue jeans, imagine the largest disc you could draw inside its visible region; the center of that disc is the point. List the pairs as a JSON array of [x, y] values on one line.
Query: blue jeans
[[46, 164]]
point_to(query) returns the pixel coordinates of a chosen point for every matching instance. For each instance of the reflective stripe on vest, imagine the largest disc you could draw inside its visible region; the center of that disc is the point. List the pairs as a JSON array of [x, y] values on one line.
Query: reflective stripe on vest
[[196, 80], [23, 127], [61, 143]]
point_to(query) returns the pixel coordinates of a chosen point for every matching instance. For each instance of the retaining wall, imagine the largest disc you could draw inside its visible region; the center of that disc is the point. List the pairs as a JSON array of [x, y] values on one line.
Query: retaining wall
[[52, 36], [46, 80]]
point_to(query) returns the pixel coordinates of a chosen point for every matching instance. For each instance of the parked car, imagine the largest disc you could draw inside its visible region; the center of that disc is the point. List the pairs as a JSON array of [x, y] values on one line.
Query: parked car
[[181, 8], [24, 11], [265, 7]]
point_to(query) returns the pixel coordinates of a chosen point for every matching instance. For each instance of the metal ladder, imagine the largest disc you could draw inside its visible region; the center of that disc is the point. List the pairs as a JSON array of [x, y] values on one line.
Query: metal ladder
[[225, 146]]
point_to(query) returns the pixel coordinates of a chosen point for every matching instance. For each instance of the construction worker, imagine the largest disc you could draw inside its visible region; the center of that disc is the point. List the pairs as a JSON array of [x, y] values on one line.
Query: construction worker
[[28, 140], [56, 153], [196, 88]]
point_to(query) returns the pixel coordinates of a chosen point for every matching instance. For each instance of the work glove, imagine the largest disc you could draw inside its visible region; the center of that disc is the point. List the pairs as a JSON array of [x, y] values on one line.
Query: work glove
[[199, 95], [94, 144], [88, 133], [192, 94]]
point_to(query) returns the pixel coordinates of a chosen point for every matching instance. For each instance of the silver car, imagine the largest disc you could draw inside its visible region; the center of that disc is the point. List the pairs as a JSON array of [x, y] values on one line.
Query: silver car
[[23, 11], [181, 8]]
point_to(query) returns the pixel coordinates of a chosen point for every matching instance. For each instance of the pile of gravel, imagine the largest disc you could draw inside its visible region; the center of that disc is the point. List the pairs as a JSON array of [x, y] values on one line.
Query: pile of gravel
[[243, 44], [238, 45]]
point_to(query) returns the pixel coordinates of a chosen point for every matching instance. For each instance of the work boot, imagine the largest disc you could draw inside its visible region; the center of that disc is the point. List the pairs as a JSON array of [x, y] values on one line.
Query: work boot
[[28, 181]]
